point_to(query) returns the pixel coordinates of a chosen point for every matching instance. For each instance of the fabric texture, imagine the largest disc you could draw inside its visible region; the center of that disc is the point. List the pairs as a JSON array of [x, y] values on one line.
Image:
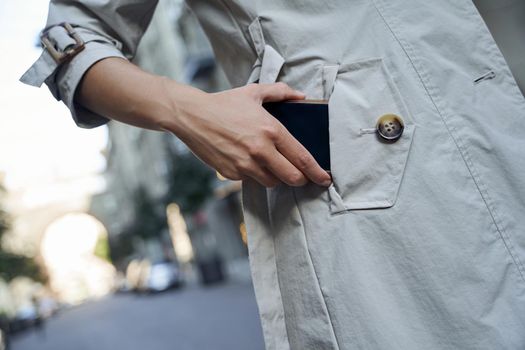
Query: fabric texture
[[418, 244]]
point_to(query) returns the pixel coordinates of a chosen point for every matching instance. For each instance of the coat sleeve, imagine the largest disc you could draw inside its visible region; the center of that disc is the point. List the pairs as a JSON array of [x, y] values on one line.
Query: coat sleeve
[[109, 28]]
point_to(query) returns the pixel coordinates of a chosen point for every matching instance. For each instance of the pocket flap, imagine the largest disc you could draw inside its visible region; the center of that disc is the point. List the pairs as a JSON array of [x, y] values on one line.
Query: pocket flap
[[366, 170]]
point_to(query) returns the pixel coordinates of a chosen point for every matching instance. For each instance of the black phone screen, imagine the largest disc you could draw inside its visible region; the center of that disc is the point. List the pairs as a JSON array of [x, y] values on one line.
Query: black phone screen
[[307, 121]]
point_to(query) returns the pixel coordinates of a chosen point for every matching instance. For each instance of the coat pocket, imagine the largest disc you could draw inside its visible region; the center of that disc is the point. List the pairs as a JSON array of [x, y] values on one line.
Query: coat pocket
[[366, 169]]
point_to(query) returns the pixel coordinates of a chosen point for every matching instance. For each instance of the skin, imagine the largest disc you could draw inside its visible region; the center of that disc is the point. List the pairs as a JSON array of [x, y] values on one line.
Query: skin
[[230, 130]]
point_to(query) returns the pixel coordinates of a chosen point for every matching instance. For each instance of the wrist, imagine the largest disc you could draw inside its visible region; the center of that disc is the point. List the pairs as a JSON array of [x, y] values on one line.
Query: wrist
[[179, 103]]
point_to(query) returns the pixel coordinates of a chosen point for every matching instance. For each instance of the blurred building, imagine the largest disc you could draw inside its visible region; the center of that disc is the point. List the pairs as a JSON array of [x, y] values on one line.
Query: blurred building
[[127, 189]]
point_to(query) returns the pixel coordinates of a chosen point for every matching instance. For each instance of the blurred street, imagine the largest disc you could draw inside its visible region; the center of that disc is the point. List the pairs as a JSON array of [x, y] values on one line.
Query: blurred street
[[192, 318], [86, 212]]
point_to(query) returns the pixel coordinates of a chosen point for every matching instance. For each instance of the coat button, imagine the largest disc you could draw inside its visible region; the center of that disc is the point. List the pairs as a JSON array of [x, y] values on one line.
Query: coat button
[[390, 127]]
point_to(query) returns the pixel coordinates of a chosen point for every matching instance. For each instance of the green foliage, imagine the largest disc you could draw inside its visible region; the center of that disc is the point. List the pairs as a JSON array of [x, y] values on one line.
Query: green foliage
[[14, 265], [191, 183], [102, 248]]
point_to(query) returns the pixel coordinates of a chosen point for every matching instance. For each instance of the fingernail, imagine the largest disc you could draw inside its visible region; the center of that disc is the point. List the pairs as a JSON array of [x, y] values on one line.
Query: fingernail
[[327, 182]]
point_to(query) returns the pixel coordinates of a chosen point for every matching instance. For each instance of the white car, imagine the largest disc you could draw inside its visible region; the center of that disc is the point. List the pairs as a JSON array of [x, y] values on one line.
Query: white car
[[144, 276], [163, 276]]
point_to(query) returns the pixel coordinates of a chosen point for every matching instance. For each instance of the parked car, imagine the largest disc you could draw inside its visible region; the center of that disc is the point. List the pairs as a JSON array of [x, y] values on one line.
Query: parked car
[[162, 276], [144, 276], [26, 317]]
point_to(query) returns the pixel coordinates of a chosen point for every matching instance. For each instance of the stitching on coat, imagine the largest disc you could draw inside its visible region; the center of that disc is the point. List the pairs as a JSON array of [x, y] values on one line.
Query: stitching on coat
[[434, 98], [313, 267]]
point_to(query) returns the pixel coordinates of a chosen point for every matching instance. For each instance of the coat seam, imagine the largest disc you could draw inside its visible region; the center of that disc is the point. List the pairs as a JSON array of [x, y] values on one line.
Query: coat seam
[[314, 270], [239, 26], [496, 54], [425, 81], [144, 22], [493, 51]]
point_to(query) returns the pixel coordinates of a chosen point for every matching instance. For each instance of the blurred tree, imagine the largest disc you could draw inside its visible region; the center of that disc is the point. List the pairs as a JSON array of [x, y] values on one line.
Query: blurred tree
[[14, 265], [121, 249], [191, 184], [4, 221], [150, 216]]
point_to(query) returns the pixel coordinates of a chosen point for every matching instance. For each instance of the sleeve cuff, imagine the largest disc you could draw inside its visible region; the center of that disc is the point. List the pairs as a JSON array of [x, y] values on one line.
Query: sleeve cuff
[[70, 75]]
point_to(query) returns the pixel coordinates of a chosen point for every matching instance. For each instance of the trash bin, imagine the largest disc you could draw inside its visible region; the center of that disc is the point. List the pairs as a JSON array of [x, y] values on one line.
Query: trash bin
[[211, 270]]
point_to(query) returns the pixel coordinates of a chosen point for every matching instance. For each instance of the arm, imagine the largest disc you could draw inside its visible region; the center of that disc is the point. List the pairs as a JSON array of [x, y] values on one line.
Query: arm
[[230, 131]]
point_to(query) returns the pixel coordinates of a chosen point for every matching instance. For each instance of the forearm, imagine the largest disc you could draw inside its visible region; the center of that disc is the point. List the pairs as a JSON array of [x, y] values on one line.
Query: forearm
[[117, 89], [230, 130]]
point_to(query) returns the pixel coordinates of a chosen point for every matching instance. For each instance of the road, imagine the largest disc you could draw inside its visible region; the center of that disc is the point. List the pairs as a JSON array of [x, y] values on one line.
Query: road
[[192, 318]]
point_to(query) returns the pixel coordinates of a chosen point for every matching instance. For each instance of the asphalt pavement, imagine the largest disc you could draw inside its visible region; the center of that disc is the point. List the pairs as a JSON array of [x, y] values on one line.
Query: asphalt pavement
[[193, 318]]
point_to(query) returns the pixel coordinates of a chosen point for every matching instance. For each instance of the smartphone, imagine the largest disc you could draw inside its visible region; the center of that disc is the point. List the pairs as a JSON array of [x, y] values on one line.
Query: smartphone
[[307, 121]]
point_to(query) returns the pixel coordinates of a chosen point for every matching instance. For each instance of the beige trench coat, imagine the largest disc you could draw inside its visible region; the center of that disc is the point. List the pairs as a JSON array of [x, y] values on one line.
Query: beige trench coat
[[418, 244]]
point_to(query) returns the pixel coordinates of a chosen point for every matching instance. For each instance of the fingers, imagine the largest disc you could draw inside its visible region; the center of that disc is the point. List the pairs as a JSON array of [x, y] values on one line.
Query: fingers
[[288, 146], [299, 156], [275, 166], [277, 92], [268, 166], [264, 177], [271, 155], [284, 170]]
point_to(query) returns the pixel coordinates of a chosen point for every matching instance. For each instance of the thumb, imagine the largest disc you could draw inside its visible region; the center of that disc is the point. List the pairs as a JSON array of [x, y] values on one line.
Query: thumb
[[278, 92]]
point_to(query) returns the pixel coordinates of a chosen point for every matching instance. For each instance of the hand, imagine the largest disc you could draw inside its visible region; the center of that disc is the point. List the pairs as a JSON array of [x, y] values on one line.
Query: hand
[[234, 134], [230, 130]]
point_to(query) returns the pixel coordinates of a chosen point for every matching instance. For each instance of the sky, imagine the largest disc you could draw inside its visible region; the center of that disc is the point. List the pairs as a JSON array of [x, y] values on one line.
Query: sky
[[39, 142]]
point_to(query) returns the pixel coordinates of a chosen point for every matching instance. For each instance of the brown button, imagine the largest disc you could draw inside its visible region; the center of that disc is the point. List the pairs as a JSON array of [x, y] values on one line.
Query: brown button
[[390, 127]]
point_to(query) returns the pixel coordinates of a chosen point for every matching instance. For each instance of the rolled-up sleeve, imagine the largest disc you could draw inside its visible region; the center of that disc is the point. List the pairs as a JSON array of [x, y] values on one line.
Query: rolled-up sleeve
[[108, 28]]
